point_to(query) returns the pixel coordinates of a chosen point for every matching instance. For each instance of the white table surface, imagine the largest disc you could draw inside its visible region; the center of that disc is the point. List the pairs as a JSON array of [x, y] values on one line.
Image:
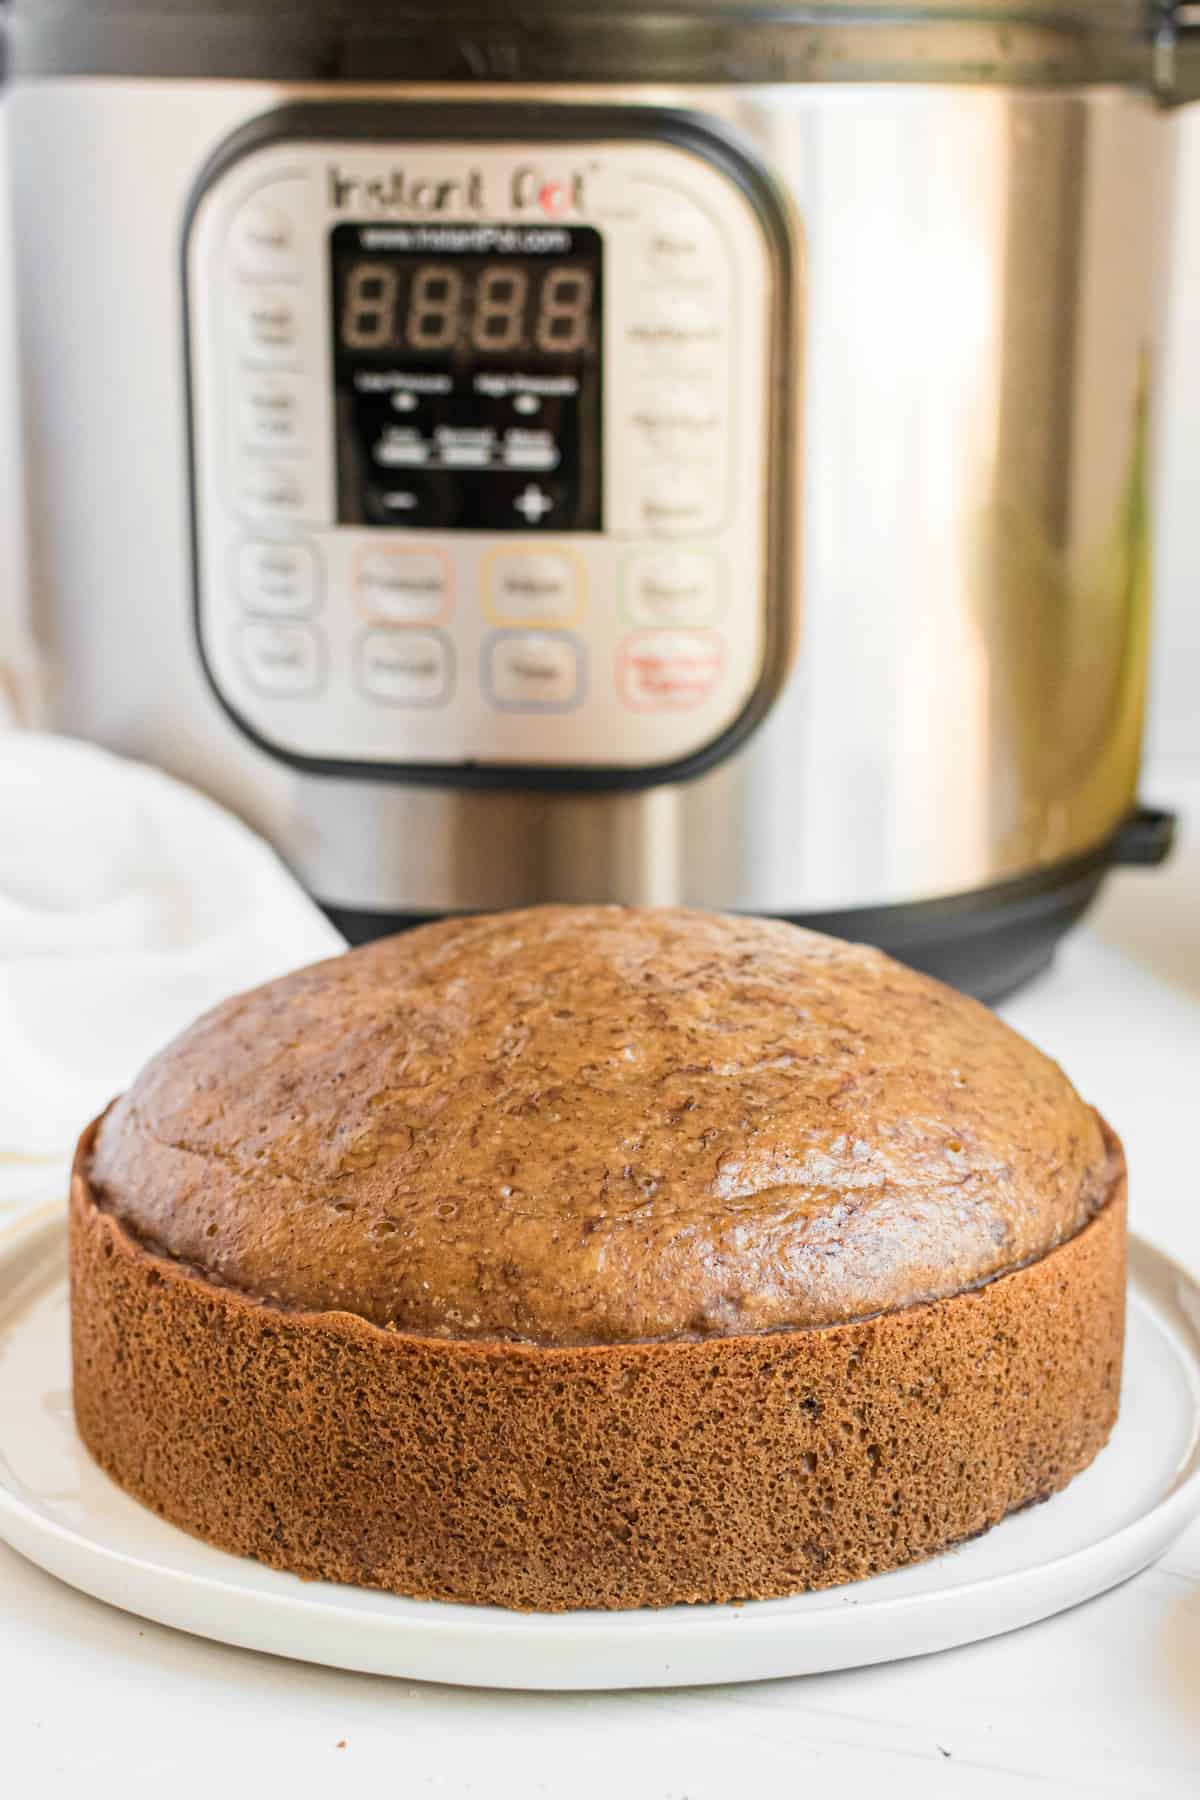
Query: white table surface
[[1102, 1700]]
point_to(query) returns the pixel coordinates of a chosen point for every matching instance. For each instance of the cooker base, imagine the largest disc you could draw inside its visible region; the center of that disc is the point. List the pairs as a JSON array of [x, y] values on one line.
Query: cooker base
[[987, 943]]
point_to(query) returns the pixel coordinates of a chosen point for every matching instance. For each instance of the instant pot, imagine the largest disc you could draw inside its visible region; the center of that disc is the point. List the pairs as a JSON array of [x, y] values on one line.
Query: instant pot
[[691, 452]]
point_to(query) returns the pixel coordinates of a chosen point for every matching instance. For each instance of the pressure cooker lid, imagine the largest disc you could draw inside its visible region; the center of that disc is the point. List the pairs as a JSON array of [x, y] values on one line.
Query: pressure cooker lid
[[1025, 41]]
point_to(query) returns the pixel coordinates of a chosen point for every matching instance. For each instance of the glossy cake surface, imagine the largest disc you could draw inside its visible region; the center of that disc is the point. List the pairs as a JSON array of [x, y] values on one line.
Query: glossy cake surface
[[597, 1257]]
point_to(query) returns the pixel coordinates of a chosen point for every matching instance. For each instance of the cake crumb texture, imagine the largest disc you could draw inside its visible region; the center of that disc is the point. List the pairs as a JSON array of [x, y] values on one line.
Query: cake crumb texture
[[617, 1475]]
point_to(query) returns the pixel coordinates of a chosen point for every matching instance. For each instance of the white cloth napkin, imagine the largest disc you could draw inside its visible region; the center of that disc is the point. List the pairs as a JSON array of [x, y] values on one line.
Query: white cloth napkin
[[129, 904]]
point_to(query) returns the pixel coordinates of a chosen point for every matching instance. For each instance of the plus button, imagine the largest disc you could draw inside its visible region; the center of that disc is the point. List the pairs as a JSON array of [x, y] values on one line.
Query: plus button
[[533, 504]]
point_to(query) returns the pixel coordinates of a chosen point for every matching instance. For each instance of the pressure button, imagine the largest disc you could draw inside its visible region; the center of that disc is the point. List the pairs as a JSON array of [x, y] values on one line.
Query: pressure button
[[272, 491], [533, 671], [263, 239], [278, 579], [676, 330], [270, 323], [402, 586], [672, 587], [270, 412], [680, 244], [532, 587], [405, 667], [281, 660], [675, 501], [680, 421]]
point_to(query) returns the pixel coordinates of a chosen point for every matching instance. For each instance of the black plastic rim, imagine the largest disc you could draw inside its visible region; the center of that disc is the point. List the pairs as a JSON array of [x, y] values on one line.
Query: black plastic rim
[[1043, 42], [987, 943]]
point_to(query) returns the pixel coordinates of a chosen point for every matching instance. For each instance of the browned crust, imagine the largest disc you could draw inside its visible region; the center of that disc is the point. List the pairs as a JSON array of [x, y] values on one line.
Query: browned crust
[[600, 1125], [604, 1476]]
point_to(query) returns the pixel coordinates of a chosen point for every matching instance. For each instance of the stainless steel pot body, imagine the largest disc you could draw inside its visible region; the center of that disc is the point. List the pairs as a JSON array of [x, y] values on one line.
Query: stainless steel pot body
[[973, 389]]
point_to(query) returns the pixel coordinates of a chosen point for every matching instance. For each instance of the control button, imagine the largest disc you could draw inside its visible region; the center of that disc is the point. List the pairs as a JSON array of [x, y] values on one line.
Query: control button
[[405, 668], [271, 491], [270, 412], [533, 503], [680, 244], [530, 449], [677, 325], [532, 587], [413, 503], [270, 323], [533, 671], [280, 579], [672, 587], [402, 586], [675, 500], [464, 446], [679, 420], [668, 671], [281, 659], [400, 447], [263, 239]]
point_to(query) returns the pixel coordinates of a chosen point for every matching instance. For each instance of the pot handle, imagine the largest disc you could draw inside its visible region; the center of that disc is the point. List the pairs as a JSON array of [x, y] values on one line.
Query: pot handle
[[1175, 28], [1143, 839]]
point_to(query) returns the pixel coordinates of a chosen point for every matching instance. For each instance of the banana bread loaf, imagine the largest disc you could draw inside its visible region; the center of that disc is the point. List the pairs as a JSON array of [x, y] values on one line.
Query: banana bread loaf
[[597, 1256]]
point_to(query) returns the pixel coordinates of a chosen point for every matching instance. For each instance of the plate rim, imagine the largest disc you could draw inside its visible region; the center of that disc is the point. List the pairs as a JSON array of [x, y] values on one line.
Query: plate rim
[[1156, 1281]]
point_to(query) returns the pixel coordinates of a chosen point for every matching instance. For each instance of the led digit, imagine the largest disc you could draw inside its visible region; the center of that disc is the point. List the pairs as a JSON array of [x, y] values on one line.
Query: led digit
[[369, 308], [565, 310], [500, 308], [433, 307]]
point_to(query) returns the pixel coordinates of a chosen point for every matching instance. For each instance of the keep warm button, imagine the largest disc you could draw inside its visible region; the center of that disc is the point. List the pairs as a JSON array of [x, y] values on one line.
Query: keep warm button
[[669, 671]]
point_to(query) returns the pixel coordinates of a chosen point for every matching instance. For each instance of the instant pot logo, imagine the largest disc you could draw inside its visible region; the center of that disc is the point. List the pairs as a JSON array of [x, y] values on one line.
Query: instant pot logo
[[533, 190], [428, 196], [530, 189]]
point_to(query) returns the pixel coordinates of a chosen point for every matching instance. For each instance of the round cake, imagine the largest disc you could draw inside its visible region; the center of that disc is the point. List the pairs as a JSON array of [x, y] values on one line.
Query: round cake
[[597, 1257]]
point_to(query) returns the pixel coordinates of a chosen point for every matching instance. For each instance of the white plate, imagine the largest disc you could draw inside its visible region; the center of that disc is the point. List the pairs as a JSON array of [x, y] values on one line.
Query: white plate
[[59, 1510]]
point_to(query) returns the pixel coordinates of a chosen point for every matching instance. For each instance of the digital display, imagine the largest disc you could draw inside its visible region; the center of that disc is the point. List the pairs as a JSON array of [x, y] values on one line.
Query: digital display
[[486, 307], [467, 364]]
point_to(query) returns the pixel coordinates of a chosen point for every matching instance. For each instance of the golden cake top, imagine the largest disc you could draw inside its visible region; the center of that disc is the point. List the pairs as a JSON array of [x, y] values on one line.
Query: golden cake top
[[598, 1124]]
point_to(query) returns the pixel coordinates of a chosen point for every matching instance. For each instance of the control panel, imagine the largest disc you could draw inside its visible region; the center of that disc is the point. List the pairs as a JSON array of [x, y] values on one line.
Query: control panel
[[483, 447]]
